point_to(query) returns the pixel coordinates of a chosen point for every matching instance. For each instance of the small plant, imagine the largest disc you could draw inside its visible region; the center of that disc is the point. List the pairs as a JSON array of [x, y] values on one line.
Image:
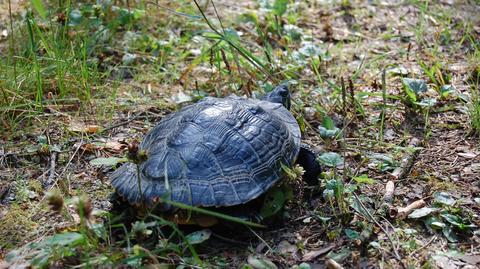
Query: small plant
[[328, 129], [445, 217], [474, 104], [413, 89], [440, 79]]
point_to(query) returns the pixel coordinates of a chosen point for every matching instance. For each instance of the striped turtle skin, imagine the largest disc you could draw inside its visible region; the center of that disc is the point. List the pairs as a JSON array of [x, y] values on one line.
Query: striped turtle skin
[[215, 153]]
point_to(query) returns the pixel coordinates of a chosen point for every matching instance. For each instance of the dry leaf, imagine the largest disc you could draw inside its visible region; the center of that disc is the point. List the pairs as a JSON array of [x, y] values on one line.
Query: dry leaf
[[468, 155], [79, 127], [284, 247], [315, 253]]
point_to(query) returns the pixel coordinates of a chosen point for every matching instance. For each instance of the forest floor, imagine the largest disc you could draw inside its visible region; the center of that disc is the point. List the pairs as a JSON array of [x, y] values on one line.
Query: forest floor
[[386, 92]]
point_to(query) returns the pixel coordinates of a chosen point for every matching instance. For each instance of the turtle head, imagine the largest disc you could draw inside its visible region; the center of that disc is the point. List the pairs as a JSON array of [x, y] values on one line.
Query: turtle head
[[279, 94]]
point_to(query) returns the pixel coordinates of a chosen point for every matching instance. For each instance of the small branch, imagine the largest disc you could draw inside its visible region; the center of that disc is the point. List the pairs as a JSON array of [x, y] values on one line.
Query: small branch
[[424, 246], [386, 207], [51, 176], [332, 264], [407, 161], [229, 240], [389, 192], [394, 247], [403, 212], [384, 105]]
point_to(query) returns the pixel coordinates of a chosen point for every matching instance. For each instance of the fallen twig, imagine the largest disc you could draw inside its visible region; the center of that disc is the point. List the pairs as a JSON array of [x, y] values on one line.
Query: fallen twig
[[403, 212], [422, 247], [407, 162], [394, 247], [332, 264], [389, 191], [315, 253], [51, 176]]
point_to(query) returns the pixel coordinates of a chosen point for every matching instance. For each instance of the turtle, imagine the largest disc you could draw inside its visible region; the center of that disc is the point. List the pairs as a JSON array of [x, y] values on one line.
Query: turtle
[[218, 152]]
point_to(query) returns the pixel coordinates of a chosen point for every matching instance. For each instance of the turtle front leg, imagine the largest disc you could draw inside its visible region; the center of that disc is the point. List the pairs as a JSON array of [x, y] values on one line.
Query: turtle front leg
[[308, 160]]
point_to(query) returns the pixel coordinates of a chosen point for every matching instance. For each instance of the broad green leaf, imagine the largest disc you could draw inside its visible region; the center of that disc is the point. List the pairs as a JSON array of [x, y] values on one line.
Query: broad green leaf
[[328, 123], [75, 17], [328, 128], [444, 198], [449, 234], [259, 262], [364, 179], [280, 7], [331, 159], [250, 17], [110, 161], [355, 204], [415, 85], [303, 265], [40, 8], [437, 225], [328, 133], [383, 162], [328, 194], [457, 221], [427, 102], [231, 35], [422, 212], [351, 234], [274, 201], [445, 90], [340, 256], [434, 223], [198, 237], [138, 14], [311, 50], [65, 239]]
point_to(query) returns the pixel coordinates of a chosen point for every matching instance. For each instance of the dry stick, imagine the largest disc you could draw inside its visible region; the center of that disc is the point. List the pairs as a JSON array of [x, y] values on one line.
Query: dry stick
[[344, 146], [51, 176], [389, 191], [59, 176], [261, 239], [395, 251], [71, 159], [229, 240], [407, 162], [424, 246], [403, 212], [386, 207], [384, 104], [332, 264], [344, 99], [119, 124]]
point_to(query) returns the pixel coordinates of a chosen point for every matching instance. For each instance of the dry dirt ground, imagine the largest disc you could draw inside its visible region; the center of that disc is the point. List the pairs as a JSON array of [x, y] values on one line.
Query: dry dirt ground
[[437, 150]]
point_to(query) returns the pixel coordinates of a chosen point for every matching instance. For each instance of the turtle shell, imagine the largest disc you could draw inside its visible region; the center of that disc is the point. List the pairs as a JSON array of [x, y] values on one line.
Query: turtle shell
[[217, 152]]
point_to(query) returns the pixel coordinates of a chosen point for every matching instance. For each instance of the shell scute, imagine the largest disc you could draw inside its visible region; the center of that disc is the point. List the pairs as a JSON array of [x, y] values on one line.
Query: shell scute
[[218, 152]]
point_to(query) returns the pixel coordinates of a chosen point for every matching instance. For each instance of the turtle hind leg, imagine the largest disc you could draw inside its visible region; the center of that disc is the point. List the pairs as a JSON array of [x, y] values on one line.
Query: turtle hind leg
[[308, 160]]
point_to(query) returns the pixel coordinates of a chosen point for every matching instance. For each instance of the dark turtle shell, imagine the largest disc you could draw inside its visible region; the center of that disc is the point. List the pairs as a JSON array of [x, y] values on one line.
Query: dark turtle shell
[[217, 152]]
